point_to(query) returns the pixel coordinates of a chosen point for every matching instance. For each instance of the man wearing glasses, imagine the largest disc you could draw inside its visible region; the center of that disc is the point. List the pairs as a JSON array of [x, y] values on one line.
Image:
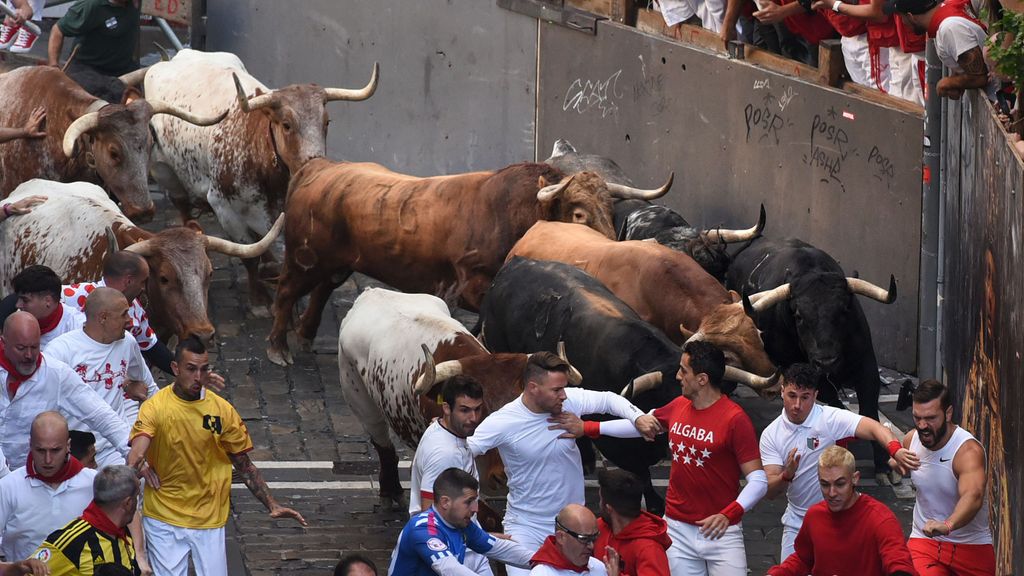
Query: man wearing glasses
[[570, 550]]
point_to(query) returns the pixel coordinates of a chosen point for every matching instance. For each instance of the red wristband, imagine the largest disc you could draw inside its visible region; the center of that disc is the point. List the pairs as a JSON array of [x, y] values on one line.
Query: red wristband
[[591, 428], [788, 478], [7, 210], [894, 447], [949, 526], [734, 512]]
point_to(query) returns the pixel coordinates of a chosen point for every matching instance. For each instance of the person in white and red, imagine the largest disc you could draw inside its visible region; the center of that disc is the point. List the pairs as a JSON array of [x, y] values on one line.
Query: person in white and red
[[108, 360], [951, 534], [52, 489], [712, 442], [32, 383], [545, 472], [570, 550], [959, 39], [792, 443], [37, 289]]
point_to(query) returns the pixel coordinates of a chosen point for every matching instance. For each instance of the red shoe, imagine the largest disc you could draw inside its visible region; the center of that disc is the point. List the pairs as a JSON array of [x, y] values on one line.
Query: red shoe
[[26, 39], [8, 34]]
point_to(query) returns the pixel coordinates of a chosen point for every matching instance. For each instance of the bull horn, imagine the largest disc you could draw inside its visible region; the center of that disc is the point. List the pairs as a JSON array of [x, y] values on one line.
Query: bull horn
[[732, 236], [134, 78], [694, 337], [865, 288], [248, 104], [575, 378], [642, 384], [686, 333], [548, 193], [621, 191], [161, 107], [433, 374], [363, 93], [81, 125], [246, 250], [144, 248], [754, 381], [164, 55], [766, 299], [111, 241]]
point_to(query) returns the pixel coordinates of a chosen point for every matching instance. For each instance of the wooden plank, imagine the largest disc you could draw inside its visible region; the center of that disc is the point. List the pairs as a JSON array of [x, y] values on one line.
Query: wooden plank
[[880, 97], [831, 65], [599, 7], [176, 11], [651, 22]]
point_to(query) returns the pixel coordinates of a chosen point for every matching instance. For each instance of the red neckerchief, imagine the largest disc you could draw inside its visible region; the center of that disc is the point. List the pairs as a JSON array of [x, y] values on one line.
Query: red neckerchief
[[15, 378], [550, 554], [46, 325], [99, 520], [71, 467], [950, 9]]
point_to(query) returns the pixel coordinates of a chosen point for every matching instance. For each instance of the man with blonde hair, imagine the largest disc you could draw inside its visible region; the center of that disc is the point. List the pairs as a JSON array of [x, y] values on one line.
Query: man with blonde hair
[[848, 532]]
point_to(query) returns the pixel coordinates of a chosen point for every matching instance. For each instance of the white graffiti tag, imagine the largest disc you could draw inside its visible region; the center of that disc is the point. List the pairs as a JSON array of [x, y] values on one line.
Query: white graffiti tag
[[582, 96]]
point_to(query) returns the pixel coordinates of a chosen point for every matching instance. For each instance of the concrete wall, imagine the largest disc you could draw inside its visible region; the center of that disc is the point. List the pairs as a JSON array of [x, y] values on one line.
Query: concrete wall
[[457, 76]]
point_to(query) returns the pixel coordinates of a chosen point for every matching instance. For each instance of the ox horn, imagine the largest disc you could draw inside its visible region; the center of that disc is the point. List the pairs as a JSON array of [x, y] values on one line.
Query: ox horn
[[164, 55], [134, 78], [575, 378], [434, 373], [161, 107], [246, 250], [144, 248], [642, 384], [687, 334], [731, 236], [621, 191], [248, 104], [111, 241], [865, 288], [81, 125], [548, 193], [752, 380], [363, 93], [766, 299]]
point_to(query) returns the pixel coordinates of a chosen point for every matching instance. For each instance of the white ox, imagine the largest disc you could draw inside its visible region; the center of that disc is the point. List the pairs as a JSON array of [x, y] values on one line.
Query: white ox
[[69, 234], [240, 168]]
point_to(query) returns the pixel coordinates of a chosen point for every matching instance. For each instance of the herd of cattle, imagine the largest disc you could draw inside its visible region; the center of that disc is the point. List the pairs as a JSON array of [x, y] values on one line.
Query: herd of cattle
[[566, 252]]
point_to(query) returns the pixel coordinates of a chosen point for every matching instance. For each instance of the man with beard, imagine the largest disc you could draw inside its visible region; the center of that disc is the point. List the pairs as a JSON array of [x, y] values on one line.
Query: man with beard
[[848, 532], [951, 534]]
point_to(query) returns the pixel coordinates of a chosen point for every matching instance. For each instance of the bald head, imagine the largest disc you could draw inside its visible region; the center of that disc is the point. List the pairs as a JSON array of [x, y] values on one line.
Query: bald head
[[50, 424], [101, 300], [106, 315], [21, 324], [575, 533], [21, 342], [578, 519], [49, 443]]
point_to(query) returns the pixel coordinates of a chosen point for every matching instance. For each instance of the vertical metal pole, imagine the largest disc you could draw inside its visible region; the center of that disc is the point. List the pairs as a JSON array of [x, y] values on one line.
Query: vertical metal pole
[[171, 36], [928, 345]]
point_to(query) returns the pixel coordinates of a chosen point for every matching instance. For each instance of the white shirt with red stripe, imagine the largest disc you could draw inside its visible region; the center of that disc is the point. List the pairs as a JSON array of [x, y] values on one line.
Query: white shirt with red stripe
[[70, 320], [437, 451], [75, 295], [707, 448]]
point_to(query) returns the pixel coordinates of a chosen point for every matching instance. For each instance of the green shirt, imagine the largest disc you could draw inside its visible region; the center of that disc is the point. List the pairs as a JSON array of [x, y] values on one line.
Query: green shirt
[[107, 34]]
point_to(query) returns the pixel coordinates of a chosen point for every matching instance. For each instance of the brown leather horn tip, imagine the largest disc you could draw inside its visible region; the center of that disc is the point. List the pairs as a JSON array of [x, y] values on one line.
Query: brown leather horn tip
[[426, 380]]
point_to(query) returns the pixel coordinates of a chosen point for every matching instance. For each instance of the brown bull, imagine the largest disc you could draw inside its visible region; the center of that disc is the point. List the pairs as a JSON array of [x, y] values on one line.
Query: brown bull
[[665, 287], [446, 235]]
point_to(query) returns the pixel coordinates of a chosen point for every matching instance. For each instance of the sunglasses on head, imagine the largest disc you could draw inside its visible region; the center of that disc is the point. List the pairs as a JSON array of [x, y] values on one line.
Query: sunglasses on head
[[581, 538]]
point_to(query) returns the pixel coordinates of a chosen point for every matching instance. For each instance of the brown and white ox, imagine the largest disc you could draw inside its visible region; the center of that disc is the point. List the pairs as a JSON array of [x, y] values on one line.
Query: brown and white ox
[[663, 286], [69, 233], [239, 168], [445, 235], [395, 350], [87, 139]]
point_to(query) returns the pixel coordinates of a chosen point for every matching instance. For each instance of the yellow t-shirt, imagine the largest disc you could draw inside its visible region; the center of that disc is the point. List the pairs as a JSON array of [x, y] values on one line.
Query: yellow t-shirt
[[189, 452]]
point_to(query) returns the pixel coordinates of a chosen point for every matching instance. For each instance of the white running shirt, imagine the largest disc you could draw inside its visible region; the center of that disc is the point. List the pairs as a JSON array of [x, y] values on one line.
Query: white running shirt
[[437, 451], [30, 509], [70, 320], [822, 428]]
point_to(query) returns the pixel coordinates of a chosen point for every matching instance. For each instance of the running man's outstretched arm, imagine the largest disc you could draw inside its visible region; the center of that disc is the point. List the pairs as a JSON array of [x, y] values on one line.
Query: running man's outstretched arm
[[254, 482]]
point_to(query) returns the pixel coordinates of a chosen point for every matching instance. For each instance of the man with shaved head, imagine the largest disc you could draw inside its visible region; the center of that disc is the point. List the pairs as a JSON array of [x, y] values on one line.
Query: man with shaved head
[[51, 490], [108, 360], [570, 550], [31, 383]]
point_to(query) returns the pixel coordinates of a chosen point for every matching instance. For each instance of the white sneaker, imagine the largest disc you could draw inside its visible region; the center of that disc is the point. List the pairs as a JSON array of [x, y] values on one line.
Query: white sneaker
[[8, 34], [26, 39]]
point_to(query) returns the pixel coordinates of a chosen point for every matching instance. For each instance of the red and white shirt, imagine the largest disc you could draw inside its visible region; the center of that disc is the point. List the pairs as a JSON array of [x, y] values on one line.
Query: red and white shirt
[[707, 448], [75, 295]]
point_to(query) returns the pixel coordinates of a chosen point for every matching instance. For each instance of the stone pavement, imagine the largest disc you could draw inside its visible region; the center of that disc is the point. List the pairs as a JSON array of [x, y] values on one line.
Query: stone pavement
[[319, 460]]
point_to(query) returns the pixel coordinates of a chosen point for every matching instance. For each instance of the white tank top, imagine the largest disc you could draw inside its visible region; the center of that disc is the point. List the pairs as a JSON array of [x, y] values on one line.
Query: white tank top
[[937, 492]]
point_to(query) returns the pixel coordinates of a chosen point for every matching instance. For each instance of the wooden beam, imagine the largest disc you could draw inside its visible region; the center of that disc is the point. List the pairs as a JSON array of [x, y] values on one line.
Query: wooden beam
[[831, 65]]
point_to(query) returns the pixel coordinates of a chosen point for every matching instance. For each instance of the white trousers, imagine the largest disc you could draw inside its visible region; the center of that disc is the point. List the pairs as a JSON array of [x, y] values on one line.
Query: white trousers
[[788, 540], [528, 536], [168, 548], [691, 554], [905, 77]]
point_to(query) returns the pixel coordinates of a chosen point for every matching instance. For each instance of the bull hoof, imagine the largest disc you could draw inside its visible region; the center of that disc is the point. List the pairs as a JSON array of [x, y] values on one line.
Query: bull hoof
[[280, 357], [260, 311]]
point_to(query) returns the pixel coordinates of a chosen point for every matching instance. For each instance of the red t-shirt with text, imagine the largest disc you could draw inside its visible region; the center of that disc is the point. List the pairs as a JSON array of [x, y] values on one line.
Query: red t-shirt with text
[[707, 448]]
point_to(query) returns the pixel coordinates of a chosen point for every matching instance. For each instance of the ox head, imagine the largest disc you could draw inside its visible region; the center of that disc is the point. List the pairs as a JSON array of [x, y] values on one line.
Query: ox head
[[586, 198], [709, 247], [298, 118], [732, 331], [823, 310], [180, 271], [115, 141]]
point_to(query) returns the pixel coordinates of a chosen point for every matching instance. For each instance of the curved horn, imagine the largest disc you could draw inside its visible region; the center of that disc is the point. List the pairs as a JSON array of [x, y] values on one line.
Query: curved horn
[[752, 380], [363, 93], [161, 107], [144, 248], [575, 378], [249, 104], [548, 193], [764, 300], [621, 191], [865, 288], [731, 236], [111, 241], [80, 126], [686, 333], [164, 56], [246, 250], [434, 374], [134, 78], [642, 384]]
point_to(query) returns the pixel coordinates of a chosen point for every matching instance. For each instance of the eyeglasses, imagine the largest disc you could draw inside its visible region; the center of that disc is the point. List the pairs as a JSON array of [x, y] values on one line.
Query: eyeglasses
[[581, 538]]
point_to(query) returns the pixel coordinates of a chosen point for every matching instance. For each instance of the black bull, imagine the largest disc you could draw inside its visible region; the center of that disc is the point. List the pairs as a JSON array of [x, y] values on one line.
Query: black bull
[[532, 305], [820, 322]]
